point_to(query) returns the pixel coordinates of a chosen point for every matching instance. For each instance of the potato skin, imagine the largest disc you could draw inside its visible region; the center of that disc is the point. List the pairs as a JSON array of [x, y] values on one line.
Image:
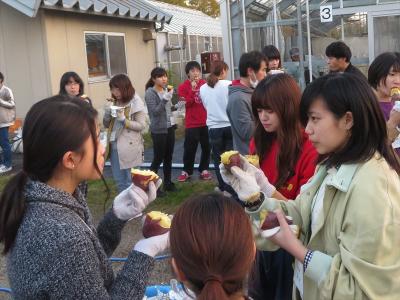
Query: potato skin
[[152, 227]]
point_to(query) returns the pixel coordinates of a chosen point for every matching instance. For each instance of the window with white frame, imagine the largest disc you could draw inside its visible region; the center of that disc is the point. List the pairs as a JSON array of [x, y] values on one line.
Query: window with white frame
[[105, 54]]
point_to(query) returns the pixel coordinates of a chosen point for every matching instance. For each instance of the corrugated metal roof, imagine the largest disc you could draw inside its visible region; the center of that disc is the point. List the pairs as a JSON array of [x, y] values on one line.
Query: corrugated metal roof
[[135, 9], [130, 9], [197, 22]]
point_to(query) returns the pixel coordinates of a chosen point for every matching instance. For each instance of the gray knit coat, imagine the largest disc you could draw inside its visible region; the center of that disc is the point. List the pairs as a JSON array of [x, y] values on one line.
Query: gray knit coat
[[59, 254], [157, 111]]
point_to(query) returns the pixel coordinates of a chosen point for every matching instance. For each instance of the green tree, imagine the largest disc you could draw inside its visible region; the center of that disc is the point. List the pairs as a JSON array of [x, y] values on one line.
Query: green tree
[[209, 7], [176, 2]]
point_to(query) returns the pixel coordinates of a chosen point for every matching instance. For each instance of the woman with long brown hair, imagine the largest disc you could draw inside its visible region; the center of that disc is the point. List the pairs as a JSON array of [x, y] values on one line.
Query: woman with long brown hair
[[288, 160], [212, 246], [125, 125]]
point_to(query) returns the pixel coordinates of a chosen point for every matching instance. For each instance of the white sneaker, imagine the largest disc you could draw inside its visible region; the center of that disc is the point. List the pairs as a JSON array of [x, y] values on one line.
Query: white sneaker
[[4, 169]]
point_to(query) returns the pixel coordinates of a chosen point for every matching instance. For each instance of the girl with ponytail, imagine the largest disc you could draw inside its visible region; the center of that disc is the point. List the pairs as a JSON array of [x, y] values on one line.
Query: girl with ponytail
[[212, 247], [54, 250], [214, 95]]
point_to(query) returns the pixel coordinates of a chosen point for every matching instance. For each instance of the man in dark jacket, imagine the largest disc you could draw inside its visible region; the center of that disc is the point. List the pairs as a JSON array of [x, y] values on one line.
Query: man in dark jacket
[[252, 69], [339, 55]]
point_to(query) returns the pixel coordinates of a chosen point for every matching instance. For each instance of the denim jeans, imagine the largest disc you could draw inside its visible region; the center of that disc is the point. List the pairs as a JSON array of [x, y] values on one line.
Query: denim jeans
[[5, 145], [121, 177]]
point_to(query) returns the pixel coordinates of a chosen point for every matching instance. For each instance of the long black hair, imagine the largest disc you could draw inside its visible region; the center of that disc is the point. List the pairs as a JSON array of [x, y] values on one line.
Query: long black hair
[[343, 93], [155, 73], [66, 78], [52, 127]]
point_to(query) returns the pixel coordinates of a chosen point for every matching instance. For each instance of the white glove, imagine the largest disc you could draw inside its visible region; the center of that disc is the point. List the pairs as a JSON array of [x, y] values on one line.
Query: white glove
[[153, 245], [121, 115], [244, 184], [168, 95], [265, 186], [180, 105], [131, 202]]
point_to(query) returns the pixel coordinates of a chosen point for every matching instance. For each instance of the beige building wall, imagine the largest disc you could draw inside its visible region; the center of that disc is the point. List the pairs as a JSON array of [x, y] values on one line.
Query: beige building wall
[[67, 50], [23, 57]]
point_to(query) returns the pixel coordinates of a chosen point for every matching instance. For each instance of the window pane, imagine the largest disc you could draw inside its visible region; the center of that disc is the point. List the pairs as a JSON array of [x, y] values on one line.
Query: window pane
[[220, 48], [96, 55], [187, 53], [116, 48], [207, 43], [174, 41], [201, 44], [386, 34], [193, 47], [175, 77], [352, 3], [214, 44]]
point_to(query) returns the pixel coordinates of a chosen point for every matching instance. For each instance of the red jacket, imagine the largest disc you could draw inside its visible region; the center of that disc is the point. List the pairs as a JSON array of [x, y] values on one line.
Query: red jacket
[[196, 115], [304, 168]]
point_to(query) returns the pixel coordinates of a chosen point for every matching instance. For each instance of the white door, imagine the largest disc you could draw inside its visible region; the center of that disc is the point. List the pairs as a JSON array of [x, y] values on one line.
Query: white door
[[383, 32]]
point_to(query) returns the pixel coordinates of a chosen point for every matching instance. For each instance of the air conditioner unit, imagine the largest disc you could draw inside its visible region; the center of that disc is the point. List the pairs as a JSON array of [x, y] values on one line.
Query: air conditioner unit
[[149, 35]]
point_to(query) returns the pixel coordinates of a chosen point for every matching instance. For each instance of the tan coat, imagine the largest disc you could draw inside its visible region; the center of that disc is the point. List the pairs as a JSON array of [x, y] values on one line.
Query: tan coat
[[129, 139], [357, 240]]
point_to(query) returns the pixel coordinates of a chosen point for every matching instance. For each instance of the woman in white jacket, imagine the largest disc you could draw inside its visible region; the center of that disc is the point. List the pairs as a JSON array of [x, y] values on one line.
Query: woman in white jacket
[[125, 147]]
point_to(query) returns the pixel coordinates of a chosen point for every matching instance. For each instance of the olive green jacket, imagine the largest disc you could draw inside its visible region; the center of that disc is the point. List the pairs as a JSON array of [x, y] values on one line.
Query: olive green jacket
[[357, 241]]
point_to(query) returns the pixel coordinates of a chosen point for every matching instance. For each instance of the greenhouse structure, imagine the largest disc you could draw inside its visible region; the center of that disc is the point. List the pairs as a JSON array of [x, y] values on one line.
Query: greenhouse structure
[[369, 27]]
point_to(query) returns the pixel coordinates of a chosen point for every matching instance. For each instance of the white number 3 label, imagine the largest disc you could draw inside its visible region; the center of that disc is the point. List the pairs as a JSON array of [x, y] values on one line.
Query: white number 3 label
[[326, 13]]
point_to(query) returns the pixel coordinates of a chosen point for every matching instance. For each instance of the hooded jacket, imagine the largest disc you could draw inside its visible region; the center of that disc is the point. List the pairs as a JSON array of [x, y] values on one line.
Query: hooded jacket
[[59, 254], [240, 115]]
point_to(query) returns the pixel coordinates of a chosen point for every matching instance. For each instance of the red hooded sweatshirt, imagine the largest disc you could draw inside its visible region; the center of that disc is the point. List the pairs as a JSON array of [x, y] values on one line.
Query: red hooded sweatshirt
[[196, 115]]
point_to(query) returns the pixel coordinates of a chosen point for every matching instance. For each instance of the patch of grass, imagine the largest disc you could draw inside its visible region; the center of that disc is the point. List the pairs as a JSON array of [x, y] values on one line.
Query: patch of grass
[[148, 142], [3, 181], [172, 200], [168, 204], [98, 195]]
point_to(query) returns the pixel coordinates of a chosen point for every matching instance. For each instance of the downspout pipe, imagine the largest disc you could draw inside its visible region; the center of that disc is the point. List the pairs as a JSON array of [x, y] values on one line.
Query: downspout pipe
[[157, 58]]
